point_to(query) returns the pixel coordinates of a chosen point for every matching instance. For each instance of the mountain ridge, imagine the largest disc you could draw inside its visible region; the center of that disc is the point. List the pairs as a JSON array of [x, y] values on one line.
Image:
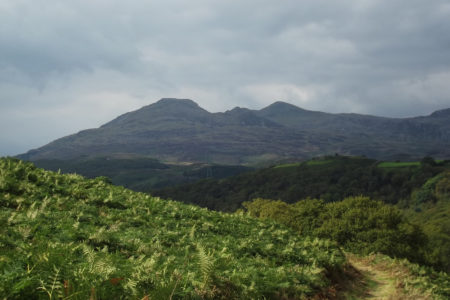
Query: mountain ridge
[[178, 130]]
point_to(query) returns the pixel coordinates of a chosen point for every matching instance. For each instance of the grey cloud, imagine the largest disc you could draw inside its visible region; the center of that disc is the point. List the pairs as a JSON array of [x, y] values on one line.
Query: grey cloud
[[378, 57]]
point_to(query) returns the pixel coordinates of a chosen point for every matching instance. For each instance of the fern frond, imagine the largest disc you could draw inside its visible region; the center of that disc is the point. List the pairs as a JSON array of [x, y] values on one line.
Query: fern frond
[[192, 232], [52, 286], [206, 264], [89, 253], [131, 285]]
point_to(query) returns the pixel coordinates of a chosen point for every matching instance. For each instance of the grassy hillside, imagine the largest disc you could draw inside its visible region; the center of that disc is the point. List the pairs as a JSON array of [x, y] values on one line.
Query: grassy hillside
[[331, 178], [63, 236]]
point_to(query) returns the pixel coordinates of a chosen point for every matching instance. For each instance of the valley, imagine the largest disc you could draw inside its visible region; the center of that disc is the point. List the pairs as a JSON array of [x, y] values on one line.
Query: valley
[[141, 173]]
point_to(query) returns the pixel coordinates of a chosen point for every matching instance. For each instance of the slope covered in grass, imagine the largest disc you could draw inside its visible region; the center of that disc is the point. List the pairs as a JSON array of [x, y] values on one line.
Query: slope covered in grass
[[63, 236]]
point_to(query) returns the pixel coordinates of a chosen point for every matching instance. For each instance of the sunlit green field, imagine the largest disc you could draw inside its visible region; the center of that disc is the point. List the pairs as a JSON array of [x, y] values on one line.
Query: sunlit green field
[[401, 164]]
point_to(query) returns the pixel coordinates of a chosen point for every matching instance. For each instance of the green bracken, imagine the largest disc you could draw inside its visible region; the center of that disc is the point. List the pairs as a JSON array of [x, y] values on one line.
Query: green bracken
[[67, 237]]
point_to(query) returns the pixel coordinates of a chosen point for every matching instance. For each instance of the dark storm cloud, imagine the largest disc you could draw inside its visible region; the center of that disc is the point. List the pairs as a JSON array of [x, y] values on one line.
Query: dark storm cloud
[[78, 64]]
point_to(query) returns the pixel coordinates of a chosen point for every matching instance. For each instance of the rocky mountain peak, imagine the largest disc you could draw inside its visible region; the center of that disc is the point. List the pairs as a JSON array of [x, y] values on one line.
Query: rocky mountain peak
[[166, 102]]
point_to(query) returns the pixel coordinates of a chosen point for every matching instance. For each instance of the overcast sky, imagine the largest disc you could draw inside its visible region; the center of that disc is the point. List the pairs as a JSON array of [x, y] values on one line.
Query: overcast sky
[[68, 65]]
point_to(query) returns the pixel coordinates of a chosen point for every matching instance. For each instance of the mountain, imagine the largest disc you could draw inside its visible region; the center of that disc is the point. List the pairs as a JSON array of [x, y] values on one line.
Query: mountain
[[178, 130], [434, 127]]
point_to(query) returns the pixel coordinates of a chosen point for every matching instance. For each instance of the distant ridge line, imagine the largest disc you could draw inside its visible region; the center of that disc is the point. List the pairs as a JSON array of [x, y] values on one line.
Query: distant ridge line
[[175, 130]]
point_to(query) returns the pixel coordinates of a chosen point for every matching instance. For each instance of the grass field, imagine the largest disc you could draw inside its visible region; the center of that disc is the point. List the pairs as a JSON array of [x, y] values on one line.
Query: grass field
[[288, 165], [319, 162], [401, 164], [309, 163]]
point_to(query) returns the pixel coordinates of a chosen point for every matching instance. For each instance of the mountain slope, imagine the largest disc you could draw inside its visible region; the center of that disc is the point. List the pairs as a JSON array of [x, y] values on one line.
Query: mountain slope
[[178, 130], [377, 137]]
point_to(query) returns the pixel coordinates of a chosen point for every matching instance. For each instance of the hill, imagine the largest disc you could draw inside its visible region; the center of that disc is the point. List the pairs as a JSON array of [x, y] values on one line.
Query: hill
[[63, 236], [331, 178], [178, 130]]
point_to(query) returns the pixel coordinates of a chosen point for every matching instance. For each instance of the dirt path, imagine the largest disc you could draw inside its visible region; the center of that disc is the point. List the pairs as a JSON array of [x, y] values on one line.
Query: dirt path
[[368, 280], [379, 283]]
